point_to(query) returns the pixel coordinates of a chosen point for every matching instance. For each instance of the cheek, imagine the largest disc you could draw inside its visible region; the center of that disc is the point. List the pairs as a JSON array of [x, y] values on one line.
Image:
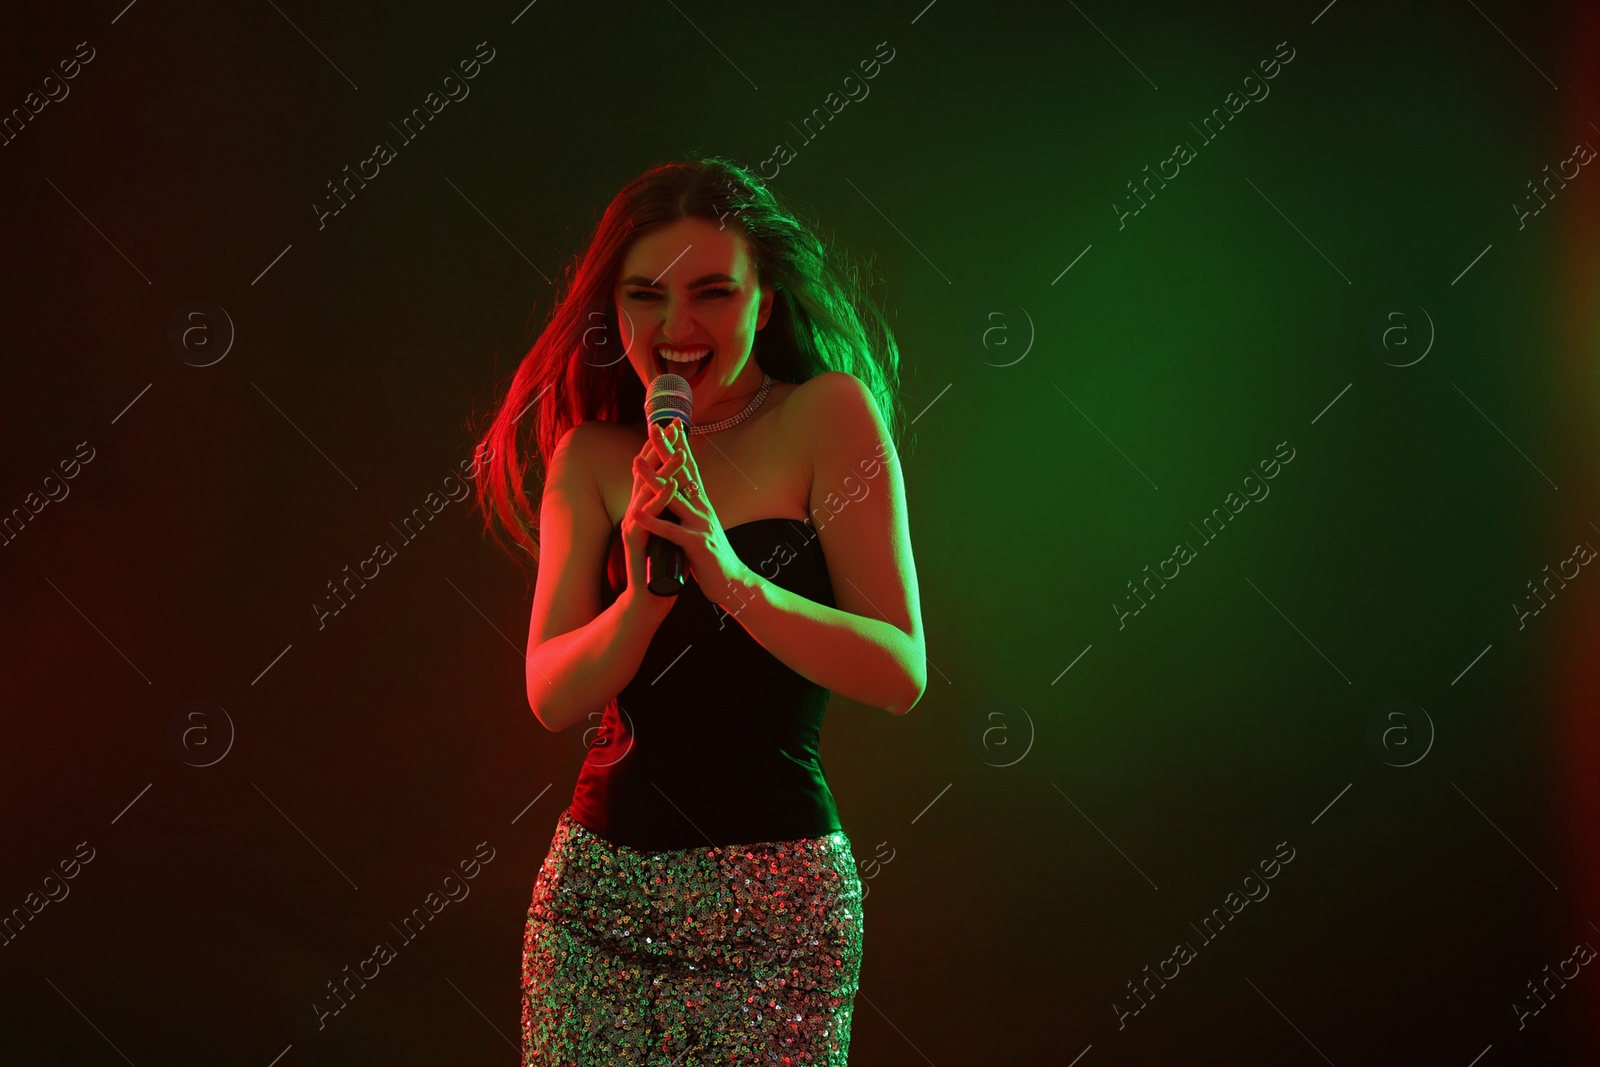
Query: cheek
[[630, 331], [738, 322]]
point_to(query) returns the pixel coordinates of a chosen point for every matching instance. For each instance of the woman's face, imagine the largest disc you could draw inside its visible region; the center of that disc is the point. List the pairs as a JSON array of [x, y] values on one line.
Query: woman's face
[[688, 288]]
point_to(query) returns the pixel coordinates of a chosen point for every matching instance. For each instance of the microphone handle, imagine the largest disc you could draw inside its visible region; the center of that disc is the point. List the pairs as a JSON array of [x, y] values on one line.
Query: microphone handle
[[663, 563]]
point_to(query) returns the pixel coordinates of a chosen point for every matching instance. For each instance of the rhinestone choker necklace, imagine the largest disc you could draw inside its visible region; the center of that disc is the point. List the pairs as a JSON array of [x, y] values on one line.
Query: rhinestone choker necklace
[[761, 394]]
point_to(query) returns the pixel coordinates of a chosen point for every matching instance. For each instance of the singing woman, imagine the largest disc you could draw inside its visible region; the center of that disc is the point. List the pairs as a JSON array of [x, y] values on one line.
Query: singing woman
[[700, 903]]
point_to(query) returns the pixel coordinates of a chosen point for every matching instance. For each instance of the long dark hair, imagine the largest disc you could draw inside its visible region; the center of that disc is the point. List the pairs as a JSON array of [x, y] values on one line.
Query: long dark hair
[[822, 319]]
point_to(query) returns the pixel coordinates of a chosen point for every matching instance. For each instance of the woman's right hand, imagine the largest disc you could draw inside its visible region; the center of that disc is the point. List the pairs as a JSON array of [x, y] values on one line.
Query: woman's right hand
[[654, 487]]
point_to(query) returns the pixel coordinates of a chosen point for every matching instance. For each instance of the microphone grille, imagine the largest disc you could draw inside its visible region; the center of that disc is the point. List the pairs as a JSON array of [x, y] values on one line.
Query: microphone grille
[[668, 397]]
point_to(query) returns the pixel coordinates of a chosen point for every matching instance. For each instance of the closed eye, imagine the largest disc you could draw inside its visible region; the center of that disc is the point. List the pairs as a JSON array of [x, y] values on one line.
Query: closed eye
[[644, 294]]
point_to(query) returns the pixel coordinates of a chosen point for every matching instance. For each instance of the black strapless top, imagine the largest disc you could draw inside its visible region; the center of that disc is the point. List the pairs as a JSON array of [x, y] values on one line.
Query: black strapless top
[[714, 741]]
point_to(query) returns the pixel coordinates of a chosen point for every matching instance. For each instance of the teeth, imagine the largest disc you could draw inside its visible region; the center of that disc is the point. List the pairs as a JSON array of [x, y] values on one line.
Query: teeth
[[683, 357]]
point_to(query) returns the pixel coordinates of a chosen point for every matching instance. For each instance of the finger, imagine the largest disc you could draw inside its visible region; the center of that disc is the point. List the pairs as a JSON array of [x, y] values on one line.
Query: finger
[[645, 488], [681, 440], [644, 479], [657, 525], [650, 516], [644, 471], [667, 472], [652, 468], [663, 445], [645, 509], [684, 474], [652, 443], [691, 465]]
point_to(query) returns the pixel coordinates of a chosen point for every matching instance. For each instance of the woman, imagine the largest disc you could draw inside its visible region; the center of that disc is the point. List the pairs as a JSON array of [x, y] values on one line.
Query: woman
[[699, 903]]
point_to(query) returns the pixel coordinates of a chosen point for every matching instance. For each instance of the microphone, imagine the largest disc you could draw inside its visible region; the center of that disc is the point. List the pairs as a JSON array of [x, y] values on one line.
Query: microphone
[[669, 397]]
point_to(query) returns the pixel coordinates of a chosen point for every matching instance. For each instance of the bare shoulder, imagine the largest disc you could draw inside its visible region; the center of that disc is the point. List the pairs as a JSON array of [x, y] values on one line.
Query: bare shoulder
[[599, 450], [611, 442], [831, 401], [829, 387], [598, 433], [832, 411], [573, 454]]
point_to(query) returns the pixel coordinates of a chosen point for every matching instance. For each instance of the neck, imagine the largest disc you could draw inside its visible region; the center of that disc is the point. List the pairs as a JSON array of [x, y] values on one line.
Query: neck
[[741, 393]]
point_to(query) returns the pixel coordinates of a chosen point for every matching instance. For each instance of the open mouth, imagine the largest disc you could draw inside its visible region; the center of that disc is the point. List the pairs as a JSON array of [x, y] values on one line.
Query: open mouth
[[692, 370]]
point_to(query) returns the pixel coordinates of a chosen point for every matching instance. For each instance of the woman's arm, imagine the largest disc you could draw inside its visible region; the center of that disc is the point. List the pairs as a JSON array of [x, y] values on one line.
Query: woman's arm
[[866, 659], [579, 656], [870, 646], [578, 672]]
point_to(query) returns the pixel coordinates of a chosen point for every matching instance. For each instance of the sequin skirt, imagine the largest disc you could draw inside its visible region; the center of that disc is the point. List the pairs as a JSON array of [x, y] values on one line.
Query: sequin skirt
[[740, 954]]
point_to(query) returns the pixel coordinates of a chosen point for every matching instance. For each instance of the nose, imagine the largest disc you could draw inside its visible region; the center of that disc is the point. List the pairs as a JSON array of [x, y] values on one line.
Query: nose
[[676, 323]]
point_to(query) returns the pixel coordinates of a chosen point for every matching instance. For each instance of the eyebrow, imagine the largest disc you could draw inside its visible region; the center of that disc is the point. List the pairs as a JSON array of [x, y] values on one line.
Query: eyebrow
[[704, 279]]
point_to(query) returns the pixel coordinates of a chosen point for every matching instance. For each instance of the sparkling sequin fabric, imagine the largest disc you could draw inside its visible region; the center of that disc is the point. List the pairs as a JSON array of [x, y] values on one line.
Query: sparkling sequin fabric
[[740, 954]]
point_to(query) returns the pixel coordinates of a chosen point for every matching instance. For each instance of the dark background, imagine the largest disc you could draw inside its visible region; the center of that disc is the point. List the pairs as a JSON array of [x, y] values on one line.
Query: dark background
[[1040, 834]]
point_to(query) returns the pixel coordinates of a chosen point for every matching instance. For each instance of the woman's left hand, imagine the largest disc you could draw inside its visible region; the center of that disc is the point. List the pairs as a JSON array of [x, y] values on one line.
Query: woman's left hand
[[722, 576]]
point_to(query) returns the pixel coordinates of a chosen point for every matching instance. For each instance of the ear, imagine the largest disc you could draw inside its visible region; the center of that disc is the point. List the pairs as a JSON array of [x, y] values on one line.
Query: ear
[[764, 311]]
